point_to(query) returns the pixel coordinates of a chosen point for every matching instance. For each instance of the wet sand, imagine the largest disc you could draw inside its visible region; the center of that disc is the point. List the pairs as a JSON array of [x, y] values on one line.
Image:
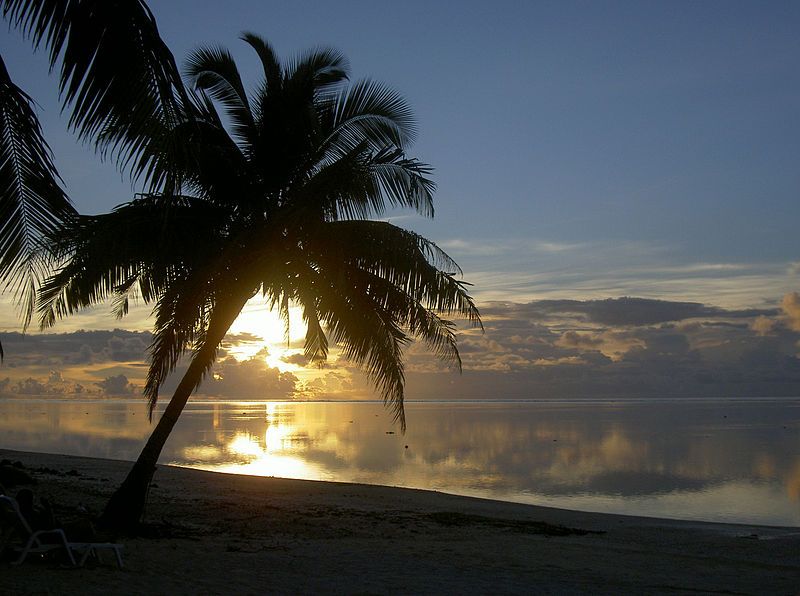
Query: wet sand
[[216, 533]]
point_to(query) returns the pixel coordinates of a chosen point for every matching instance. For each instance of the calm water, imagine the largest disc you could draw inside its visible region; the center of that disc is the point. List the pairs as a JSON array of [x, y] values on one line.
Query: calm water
[[720, 460]]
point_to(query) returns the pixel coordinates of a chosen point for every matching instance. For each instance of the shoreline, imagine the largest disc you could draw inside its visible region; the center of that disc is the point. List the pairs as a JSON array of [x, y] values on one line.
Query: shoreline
[[228, 533], [788, 529]]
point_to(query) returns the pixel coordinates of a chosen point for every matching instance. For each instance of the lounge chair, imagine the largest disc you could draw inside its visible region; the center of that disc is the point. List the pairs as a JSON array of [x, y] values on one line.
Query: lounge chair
[[43, 541]]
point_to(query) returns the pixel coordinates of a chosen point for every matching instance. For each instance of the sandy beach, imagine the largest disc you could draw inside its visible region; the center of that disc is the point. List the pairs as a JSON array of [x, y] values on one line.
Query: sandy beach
[[223, 534]]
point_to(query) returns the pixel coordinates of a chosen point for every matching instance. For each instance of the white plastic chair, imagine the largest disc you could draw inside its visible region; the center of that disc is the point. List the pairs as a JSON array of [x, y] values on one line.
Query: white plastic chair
[[15, 524]]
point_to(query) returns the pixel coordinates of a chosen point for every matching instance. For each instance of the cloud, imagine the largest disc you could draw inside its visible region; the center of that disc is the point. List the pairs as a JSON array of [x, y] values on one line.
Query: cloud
[[298, 359], [573, 339], [522, 271], [557, 361], [53, 385], [620, 347], [791, 309], [622, 311], [559, 348], [115, 363], [31, 386], [126, 349], [242, 337], [613, 344], [58, 350], [332, 383], [762, 325], [116, 385], [248, 379], [556, 247]]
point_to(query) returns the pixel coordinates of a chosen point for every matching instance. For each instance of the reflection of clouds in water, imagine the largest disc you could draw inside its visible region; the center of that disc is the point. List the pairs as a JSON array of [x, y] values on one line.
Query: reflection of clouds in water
[[732, 502], [635, 457], [274, 451], [115, 430], [202, 453], [43, 418], [578, 461], [793, 482], [764, 466], [612, 453]]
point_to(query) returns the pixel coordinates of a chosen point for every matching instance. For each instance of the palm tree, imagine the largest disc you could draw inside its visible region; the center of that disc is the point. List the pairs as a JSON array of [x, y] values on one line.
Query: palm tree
[[115, 71], [32, 202], [276, 196]]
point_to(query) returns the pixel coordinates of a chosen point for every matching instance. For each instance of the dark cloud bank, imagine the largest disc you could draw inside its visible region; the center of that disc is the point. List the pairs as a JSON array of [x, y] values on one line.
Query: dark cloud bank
[[115, 363], [626, 347]]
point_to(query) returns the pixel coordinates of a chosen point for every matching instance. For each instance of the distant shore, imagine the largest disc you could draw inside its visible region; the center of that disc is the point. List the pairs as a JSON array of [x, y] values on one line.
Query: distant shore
[[218, 533]]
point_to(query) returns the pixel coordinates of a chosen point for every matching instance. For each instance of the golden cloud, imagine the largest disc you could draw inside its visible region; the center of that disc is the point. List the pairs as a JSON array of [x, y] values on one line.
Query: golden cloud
[[762, 325], [791, 309]]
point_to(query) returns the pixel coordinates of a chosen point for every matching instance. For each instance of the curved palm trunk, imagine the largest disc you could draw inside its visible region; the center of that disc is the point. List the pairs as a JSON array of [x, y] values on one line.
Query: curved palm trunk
[[125, 508]]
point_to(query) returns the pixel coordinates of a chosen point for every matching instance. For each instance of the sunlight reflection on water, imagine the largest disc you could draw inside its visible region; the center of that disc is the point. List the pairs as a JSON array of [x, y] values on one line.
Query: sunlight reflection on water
[[721, 460]]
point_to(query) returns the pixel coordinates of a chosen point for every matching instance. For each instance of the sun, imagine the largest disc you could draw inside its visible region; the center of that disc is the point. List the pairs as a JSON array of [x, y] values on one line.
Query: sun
[[257, 319], [269, 330]]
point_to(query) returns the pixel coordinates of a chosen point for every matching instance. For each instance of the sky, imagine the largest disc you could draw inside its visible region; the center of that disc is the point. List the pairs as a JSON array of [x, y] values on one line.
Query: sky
[[635, 159]]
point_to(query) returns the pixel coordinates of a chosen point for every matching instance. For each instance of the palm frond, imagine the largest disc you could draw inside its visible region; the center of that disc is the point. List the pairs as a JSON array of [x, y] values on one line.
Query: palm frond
[[148, 241], [316, 341], [317, 69], [402, 273], [195, 311], [368, 334], [404, 181], [340, 188], [375, 285], [362, 184], [385, 243], [32, 203], [181, 319], [269, 60], [197, 156], [214, 71], [370, 111], [116, 72]]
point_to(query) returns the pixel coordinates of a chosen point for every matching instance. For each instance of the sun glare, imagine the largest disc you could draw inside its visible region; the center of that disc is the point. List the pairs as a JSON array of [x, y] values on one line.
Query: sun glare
[[274, 455], [269, 331], [257, 319]]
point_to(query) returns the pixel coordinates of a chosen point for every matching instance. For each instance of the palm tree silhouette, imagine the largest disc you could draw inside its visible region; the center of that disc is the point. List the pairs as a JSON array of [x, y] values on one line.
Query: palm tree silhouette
[[275, 196], [114, 72], [32, 202]]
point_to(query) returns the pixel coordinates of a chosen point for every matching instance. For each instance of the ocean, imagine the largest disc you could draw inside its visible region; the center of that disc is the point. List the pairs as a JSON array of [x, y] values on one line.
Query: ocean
[[726, 460]]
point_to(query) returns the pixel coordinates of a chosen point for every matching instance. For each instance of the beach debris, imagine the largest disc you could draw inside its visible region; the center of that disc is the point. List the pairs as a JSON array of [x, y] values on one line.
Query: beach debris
[[389, 432]]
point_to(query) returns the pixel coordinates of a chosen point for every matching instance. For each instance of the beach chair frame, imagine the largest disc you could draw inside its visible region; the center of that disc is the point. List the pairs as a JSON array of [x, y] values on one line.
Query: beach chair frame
[[34, 540]]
